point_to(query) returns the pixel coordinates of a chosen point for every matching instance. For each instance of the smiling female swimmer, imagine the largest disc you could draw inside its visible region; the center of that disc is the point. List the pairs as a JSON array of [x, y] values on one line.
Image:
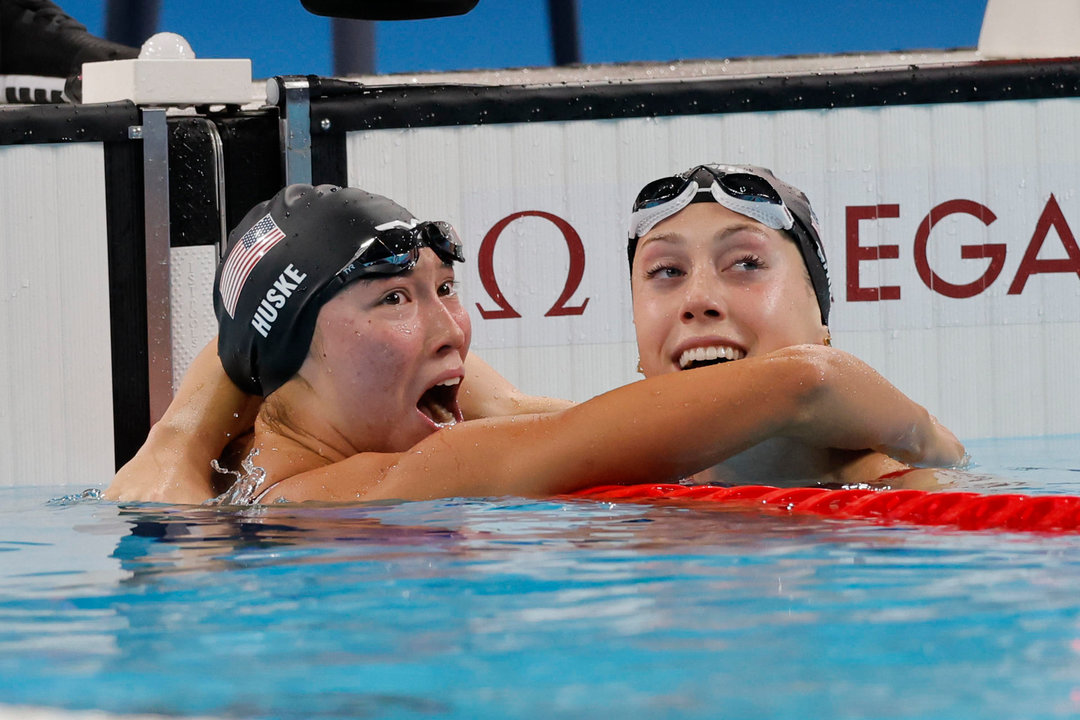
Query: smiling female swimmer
[[726, 263], [346, 318]]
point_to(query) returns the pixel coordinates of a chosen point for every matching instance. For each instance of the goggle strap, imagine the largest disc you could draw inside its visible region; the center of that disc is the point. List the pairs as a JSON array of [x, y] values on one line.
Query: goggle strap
[[356, 255], [769, 214], [645, 219]]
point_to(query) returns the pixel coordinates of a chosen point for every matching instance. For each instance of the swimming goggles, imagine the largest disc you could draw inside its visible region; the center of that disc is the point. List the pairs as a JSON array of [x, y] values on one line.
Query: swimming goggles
[[733, 187], [394, 250]]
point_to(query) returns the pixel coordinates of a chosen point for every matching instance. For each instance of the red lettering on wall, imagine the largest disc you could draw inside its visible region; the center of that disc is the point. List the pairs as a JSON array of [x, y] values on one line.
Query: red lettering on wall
[[486, 266], [1031, 265], [994, 251], [857, 253]]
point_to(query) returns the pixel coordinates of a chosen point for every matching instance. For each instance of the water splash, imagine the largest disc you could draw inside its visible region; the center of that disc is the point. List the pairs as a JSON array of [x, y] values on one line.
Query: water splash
[[76, 498], [249, 480]]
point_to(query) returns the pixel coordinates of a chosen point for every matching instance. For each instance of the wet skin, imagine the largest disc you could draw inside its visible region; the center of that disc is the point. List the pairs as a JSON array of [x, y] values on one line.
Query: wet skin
[[709, 277], [711, 285], [358, 422], [380, 347]]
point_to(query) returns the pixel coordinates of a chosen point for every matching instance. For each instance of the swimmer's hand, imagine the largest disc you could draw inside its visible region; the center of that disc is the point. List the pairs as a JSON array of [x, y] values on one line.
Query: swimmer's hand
[[173, 465], [851, 406], [931, 445], [168, 468]]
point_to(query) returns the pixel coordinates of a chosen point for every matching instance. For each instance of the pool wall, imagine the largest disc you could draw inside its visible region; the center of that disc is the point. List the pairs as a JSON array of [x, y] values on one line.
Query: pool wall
[[946, 187], [954, 268], [56, 411]]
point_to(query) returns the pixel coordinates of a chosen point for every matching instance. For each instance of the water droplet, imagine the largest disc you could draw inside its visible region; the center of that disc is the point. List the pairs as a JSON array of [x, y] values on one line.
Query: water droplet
[[249, 479]]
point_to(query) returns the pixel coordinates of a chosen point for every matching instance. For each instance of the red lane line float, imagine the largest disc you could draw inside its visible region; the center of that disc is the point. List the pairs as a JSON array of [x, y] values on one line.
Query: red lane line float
[[964, 510]]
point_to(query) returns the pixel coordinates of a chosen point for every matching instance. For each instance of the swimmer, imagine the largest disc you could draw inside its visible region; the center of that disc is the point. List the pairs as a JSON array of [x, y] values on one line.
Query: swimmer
[[726, 263], [350, 326]]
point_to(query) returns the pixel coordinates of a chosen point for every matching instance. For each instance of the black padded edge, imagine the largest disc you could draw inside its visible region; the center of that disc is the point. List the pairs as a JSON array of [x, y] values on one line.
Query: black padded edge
[[355, 107], [127, 296], [194, 217], [329, 163], [252, 152], [252, 171], [30, 124]]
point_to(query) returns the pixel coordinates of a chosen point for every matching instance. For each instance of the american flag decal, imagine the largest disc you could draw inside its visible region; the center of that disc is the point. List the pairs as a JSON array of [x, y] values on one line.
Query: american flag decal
[[245, 255]]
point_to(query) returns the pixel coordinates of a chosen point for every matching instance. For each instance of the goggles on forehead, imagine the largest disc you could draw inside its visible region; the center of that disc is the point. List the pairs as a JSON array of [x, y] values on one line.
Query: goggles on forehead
[[734, 188], [394, 250]]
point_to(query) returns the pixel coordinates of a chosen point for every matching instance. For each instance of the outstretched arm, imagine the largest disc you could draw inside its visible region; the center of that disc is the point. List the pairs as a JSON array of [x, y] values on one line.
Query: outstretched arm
[[655, 430], [173, 465]]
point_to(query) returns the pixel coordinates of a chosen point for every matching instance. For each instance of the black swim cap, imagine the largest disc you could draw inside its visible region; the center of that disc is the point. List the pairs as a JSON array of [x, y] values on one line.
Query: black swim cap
[[649, 209], [268, 287]]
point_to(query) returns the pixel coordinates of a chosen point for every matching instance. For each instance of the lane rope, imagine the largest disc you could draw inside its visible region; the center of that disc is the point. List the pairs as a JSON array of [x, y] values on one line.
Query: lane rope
[[964, 510]]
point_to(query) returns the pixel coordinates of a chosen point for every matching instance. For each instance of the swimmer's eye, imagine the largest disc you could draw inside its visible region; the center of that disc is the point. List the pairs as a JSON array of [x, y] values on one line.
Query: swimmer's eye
[[663, 271], [448, 288], [749, 262], [394, 297]]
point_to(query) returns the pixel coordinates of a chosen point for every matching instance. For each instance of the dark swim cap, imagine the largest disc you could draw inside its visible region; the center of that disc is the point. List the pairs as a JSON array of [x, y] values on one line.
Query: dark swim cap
[[269, 285], [666, 197]]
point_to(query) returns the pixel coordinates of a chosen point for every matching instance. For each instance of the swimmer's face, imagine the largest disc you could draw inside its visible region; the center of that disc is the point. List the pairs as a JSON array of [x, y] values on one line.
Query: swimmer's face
[[388, 354], [710, 283]]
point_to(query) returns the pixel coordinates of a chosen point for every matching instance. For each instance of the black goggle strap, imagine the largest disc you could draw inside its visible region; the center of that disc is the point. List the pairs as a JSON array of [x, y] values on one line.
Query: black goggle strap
[[817, 265]]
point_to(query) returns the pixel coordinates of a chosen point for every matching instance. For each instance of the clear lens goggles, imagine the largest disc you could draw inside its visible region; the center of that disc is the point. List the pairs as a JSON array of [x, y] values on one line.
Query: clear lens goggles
[[734, 188]]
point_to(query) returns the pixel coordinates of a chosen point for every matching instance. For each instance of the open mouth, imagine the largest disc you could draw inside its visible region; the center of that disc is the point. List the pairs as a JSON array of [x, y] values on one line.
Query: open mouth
[[439, 403], [705, 356]]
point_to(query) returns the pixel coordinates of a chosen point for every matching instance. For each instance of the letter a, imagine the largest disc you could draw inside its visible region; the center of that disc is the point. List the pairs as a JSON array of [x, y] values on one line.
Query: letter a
[[1031, 265]]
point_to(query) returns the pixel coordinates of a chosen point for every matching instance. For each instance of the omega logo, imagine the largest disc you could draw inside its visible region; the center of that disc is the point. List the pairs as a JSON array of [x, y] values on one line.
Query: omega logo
[[486, 268]]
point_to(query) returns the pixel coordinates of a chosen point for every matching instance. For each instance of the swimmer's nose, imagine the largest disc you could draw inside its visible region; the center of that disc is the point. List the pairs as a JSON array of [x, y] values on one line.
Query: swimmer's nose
[[703, 299], [449, 332]]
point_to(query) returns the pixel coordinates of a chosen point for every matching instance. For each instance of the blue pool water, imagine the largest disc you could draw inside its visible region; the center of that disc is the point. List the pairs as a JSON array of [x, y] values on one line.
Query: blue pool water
[[510, 608]]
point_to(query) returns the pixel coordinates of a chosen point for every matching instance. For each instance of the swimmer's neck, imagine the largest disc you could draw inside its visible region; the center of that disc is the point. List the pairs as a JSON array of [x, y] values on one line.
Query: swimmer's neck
[[294, 434]]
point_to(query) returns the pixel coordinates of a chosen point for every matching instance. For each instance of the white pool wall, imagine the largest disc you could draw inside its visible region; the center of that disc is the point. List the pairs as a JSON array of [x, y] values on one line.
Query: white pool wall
[[56, 418], [993, 364], [999, 363]]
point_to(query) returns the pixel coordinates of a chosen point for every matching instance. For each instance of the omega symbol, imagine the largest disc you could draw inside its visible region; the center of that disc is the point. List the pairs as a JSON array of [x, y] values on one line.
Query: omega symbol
[[573, 277]]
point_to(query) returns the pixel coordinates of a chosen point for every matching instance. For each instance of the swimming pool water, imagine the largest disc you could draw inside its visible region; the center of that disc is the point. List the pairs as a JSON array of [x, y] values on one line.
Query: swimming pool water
[[537, 609]]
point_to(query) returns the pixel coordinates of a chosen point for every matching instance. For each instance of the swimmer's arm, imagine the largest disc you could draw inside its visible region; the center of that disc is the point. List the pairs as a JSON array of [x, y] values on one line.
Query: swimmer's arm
[[655, 430], [485, 393], [173, 465], [208, 411]]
